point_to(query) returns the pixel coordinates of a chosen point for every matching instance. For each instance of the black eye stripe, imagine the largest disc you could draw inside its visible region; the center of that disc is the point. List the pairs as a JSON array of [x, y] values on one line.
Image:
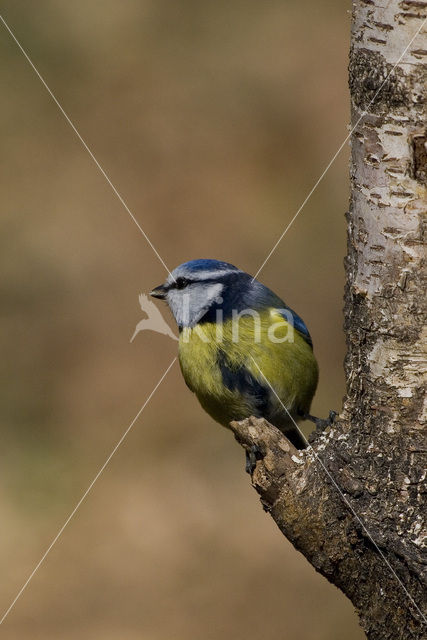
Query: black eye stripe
[[181, 283]]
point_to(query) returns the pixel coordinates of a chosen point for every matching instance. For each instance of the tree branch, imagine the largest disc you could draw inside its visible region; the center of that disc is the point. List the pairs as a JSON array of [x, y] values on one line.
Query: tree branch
[[315, 500]]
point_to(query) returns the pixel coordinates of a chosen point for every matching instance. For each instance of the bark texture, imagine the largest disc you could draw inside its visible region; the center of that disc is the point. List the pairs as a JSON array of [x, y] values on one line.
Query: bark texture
[[373, 461]]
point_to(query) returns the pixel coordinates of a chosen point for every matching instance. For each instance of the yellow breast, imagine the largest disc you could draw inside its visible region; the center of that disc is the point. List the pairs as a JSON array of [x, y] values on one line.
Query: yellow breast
[[282, 354]]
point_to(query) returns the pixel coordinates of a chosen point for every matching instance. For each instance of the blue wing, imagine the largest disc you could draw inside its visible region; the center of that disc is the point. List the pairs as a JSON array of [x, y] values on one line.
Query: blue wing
[[299, 325], [266, 298]]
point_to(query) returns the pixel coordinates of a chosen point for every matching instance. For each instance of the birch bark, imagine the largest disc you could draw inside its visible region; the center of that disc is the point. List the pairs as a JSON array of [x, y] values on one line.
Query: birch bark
[[373, 461]]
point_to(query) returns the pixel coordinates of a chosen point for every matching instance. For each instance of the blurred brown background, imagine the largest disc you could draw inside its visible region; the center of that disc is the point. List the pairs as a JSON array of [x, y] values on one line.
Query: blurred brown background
[[213, 120]]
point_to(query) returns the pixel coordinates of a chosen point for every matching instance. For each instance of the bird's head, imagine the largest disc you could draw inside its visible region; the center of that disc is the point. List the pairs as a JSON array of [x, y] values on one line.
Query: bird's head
[[197, 288]]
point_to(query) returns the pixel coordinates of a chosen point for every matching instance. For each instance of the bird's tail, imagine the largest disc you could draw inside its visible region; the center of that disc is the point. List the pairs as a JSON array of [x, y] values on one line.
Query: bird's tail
[[296, 437]]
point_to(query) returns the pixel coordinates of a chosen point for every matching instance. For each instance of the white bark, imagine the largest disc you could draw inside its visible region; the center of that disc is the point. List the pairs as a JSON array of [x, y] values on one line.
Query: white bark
[[376, 452], [389, 172]]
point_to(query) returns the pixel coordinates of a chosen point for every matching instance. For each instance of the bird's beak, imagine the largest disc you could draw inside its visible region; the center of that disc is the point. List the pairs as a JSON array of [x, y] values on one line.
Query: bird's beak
[[159, 292]]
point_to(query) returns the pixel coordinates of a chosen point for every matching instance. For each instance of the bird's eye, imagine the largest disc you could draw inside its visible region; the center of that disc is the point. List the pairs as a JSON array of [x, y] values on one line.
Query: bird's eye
[[181, 283]]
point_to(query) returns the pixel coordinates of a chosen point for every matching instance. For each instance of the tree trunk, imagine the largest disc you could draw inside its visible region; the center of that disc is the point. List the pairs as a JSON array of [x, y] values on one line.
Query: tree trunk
[[353, 503]]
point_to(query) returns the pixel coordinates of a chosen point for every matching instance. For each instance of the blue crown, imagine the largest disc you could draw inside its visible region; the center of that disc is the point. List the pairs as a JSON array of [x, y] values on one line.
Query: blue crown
[[207, 264]]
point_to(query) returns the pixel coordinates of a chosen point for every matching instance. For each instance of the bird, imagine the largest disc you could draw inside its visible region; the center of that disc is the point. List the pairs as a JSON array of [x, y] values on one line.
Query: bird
[[242, 350]]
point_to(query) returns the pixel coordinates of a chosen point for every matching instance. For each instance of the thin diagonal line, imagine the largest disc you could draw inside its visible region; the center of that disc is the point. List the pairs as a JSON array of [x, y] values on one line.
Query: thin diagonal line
[[74, 128], [349, 505], [58, 535], [336, 154]]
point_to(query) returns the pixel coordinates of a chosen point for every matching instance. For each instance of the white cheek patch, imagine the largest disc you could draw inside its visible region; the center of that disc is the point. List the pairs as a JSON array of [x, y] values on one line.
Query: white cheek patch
[[189, 305]]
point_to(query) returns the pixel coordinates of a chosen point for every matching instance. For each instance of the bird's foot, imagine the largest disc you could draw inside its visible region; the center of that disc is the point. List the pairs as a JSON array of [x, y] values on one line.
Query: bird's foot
[[322, 423], [252, 455]]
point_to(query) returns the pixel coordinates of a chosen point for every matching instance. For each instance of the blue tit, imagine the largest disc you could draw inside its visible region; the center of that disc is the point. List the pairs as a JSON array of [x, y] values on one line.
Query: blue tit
[[242, 350]]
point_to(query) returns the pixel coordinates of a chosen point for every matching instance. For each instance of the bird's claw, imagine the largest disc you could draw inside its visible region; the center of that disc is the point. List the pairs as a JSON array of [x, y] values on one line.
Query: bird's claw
[[322, 423], [252, 455]]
